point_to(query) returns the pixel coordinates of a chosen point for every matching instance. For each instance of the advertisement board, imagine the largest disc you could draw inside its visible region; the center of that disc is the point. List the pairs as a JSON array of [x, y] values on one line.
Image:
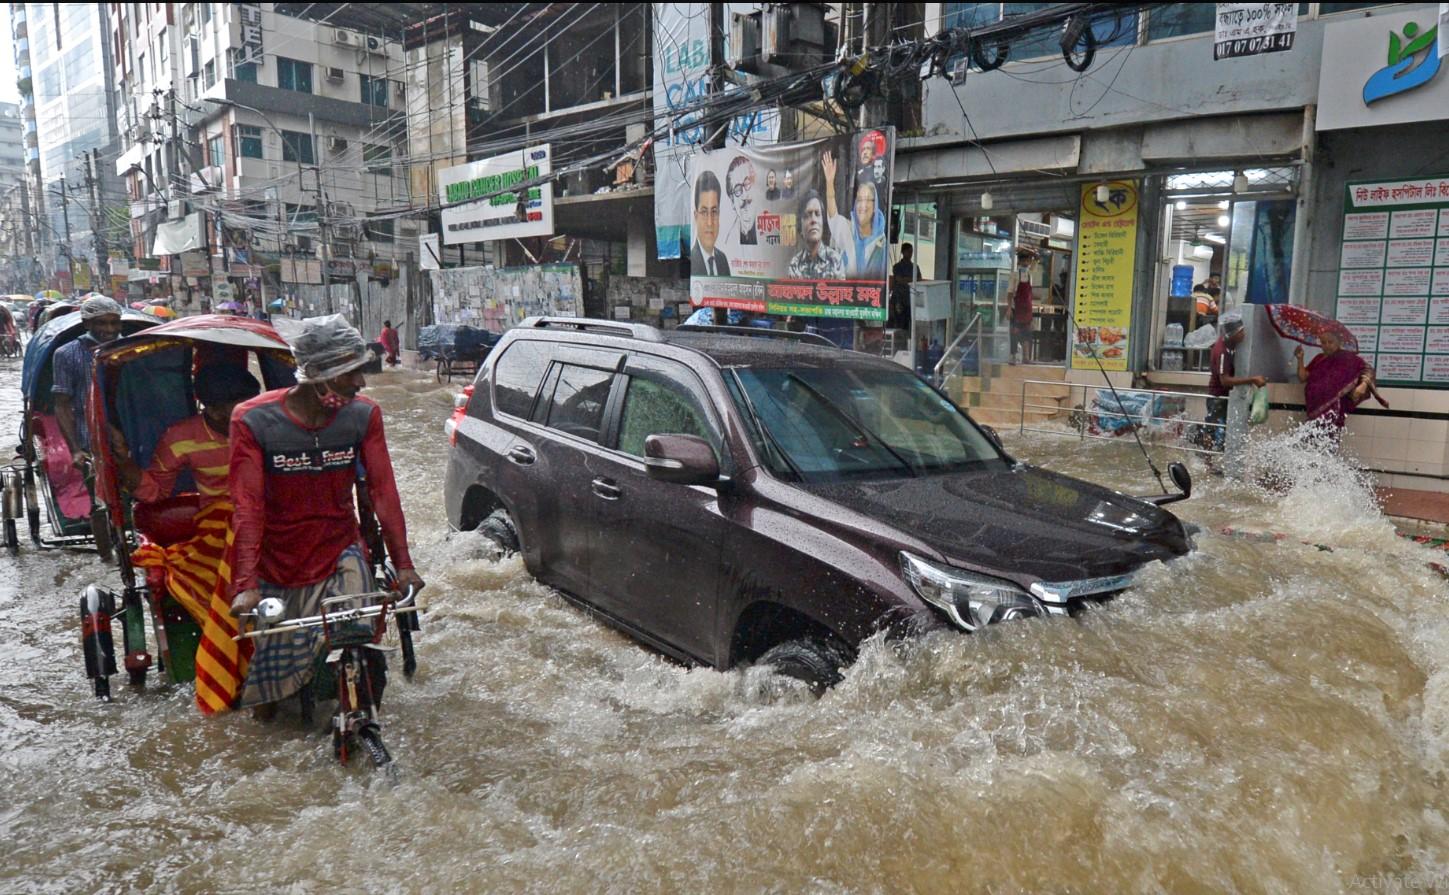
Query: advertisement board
[[470, 216], [1393, 277], [1106, 264], [794, 228], [1382, 69], [681, 76]]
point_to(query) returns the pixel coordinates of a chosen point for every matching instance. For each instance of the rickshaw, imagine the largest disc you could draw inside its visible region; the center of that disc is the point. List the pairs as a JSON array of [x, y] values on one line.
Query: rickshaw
[[42, 473], [142, 385], [9, 333]]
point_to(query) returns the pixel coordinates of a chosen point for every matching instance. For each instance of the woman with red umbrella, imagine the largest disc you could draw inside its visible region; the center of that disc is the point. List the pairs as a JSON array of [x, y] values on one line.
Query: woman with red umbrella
[[1334, 383]]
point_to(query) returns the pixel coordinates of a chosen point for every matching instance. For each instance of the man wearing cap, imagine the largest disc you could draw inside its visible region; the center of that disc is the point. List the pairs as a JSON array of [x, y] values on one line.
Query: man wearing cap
[[73, 365], [1224, 374], [294, 460]]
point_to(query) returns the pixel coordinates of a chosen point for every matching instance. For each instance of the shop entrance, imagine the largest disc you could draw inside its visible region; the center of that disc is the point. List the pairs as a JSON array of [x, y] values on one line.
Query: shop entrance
[[1227, 241]]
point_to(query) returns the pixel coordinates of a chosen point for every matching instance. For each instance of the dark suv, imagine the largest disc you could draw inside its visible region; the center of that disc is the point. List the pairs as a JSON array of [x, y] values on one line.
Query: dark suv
[[736, 496]]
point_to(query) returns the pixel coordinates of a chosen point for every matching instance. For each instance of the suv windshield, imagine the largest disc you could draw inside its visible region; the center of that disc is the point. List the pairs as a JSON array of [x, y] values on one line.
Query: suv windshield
[[824, 424]]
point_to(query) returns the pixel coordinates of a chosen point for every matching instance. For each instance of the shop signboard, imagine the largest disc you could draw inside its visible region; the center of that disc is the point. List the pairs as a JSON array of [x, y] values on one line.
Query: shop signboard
[[1393, 277], [1106, 266], [681, 76], [1382, 69], [473, 213], [1251, 29], [820, 249]]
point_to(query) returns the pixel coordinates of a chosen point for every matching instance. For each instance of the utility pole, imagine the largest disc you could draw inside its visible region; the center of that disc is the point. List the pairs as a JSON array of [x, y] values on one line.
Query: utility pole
[[65, 216], [98, 236]]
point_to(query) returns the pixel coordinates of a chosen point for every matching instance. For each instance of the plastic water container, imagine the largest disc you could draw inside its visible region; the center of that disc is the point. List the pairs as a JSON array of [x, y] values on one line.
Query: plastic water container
[[1172, 336], [1172, 360]]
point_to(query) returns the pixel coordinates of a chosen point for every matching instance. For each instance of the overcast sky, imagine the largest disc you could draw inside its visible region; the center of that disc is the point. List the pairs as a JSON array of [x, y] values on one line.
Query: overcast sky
[[8, 91]]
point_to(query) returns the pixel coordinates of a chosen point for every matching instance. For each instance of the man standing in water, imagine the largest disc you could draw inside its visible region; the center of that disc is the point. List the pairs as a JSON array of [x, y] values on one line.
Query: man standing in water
[[294, 459], [1224, 376], [74, 364]]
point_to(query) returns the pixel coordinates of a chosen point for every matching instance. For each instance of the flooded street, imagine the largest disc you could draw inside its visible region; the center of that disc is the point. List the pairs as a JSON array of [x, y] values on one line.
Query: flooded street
[[1257, 717]]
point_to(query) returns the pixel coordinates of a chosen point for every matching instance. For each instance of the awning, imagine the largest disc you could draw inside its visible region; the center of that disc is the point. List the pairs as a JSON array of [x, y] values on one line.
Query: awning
[[175, 237]]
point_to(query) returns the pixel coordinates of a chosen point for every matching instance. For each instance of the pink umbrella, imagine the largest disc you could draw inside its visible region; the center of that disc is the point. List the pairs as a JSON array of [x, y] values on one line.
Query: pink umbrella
[[138, 305], [1302, 325]]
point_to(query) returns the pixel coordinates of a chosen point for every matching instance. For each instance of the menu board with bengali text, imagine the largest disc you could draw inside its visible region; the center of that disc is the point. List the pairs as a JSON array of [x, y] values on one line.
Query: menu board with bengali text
[[1393, 278]]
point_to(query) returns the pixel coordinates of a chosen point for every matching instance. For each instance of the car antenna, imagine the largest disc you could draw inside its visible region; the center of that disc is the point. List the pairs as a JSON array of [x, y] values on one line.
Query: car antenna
[[1122, 408]]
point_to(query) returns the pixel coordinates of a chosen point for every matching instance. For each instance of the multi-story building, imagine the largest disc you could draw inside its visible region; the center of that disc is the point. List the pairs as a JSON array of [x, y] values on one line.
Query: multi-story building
[[63, 61], [12, 146], [255, 140]]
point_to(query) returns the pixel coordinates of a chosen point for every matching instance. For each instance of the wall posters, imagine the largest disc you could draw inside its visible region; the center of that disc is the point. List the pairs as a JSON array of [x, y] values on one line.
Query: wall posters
[[1106, 258], [1393, 277], [496, 217], [1251, 29], [681, 76], [794, 228]]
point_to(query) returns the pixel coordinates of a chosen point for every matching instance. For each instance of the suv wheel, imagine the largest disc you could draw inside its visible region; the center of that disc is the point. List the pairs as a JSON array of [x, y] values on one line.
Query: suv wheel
[[815, 660], [499, 529]]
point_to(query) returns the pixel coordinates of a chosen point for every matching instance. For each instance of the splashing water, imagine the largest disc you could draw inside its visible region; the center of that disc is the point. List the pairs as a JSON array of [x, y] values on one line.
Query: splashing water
[[1253, 717]]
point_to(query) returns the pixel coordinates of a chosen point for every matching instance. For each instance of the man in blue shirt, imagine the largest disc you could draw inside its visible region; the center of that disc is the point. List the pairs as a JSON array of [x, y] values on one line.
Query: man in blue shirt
[[73, 365]]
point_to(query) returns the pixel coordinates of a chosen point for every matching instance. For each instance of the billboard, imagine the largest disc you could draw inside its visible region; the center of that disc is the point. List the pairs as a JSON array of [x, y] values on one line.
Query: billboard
[[470, 217], [794, 228]]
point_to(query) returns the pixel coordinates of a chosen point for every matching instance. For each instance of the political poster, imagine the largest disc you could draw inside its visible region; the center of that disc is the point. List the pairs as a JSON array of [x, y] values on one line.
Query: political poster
[[794, 228], [479, 204]]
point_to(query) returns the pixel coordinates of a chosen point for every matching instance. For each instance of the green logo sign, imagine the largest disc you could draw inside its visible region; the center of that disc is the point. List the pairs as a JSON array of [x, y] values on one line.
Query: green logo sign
[[1404, 72]]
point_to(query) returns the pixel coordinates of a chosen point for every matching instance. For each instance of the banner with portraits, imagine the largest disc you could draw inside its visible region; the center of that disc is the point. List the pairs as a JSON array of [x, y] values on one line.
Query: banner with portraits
[[798, 229]]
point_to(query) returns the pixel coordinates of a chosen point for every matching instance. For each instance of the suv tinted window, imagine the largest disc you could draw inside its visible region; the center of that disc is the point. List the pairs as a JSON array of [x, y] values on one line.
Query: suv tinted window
[[579, 399], [655, 405], [516, 376]]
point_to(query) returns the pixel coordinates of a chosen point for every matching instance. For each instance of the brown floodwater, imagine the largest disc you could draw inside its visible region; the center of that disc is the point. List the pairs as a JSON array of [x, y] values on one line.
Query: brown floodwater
[[1258, 717]]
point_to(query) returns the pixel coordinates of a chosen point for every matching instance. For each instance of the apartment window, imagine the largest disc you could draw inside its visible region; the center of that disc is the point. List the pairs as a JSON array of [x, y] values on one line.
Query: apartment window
[[163, 53], [377, 158], [245, 71], [1118, 32], [380, 231], [374, 90], [297, 147], [248, 141], [294, 75], [215, 150], [301, 214], [205, 12], [210, 75]]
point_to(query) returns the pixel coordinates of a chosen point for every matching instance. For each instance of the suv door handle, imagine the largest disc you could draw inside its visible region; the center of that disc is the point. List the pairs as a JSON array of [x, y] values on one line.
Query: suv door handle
[[607, 489], [523, 456]]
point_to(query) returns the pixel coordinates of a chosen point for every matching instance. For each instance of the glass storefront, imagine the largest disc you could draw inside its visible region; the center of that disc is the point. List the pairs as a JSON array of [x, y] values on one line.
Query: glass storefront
[[1227, 241]]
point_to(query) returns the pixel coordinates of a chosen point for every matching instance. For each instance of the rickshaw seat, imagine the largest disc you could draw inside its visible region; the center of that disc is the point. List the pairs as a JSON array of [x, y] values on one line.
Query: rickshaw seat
[[67, 484], [168, 521]]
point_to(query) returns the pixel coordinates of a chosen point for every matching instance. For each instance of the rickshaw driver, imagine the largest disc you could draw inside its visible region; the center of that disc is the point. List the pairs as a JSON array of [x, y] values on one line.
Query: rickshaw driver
[[74, 364], [293, 470], [198, 442]]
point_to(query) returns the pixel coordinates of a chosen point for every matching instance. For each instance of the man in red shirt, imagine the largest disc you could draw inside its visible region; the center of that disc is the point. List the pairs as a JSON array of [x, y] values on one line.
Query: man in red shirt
[[1224, 375], [1021, 306], [294, 459]]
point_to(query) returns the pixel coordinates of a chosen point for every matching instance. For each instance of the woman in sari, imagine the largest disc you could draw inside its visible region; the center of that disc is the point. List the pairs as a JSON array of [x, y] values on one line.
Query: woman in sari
[[1334, 383]]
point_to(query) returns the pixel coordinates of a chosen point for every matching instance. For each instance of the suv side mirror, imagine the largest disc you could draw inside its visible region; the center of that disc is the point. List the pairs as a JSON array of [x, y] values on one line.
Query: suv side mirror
[[681, 459]]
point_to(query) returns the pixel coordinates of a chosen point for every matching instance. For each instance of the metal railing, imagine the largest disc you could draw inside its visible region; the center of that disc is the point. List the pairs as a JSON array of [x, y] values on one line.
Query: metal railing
[[955, 354], [1163, 420]]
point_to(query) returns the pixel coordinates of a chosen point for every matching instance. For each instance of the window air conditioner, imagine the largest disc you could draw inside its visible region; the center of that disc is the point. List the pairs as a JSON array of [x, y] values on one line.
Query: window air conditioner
[[374, 45], [334, 74], [342, 38]]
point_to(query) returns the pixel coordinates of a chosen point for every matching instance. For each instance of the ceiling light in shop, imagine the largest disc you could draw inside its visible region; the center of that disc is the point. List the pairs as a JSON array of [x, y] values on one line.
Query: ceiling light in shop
[[1223, 220], [1213, 237], [1223, 204], [1180, 205]]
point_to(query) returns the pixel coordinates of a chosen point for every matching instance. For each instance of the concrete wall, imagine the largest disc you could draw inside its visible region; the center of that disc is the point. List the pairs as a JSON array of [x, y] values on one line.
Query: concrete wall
[[646, 297]]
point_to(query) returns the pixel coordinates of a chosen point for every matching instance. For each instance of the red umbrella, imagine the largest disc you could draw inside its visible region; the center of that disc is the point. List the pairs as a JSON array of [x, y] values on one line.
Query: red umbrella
[[1302, 325]]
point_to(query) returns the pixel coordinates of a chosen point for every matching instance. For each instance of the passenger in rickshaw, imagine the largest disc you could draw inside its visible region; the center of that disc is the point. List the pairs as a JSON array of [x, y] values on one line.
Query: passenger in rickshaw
[[74, 364], [192, 566]]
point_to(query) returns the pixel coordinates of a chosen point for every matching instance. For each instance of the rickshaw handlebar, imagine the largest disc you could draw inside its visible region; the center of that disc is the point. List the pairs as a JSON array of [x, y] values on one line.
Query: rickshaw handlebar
[[383, 601]]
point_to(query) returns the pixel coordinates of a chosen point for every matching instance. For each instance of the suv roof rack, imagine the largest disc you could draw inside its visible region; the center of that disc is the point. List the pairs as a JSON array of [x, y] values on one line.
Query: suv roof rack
[[591, 324], [758, 332]]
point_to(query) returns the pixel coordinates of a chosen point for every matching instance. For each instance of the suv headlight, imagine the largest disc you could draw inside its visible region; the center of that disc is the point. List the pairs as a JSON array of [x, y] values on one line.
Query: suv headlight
[[970, 600]]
